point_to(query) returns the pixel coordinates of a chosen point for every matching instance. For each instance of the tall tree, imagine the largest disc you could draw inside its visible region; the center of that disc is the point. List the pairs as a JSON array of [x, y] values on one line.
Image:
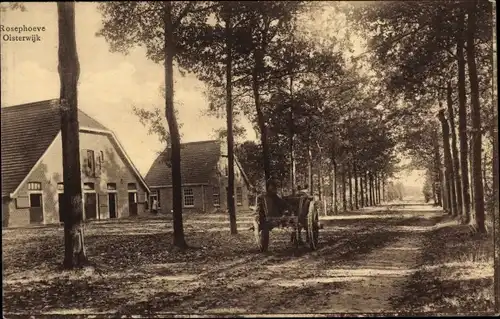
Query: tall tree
[[229, 118], [69, 71], [448, 164], [173, 127], [454, 150], [476, 117], [128, 24]]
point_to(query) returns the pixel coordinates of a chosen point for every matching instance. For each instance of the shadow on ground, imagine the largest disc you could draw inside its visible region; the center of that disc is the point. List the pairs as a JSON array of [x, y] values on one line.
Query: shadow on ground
[[456, 274], [138, 271]]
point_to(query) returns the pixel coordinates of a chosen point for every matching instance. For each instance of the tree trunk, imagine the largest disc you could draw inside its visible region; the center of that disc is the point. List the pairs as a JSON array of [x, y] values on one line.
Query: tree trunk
[[384, 198], [362, 193], [334, 187], [370, 185], [173, 127], [476, 118], [377, 184], [356, 188], [454, 150], [462, 122], [231, 207], [322, 193], [495, 168], [349, 177], [310, 169], [367, 191], [260, 115], [471, 170], [69, 72], [344, 189], [437, 169], [433, 185], [445, 192], [330, 193], [448, 163], [292, 135]]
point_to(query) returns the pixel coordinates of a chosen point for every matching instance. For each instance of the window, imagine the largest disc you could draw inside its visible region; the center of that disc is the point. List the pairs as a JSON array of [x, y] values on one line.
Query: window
[[216, 196], [35, 186], [188, 197], [239, 196], [99, 162], [60, 187], [91, 163], [111, 186], [131, 186], [88, 186], [226, 170]]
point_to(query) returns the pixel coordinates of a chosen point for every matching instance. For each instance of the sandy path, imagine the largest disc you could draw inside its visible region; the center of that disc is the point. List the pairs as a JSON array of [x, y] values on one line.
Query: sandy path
[[355, 272]]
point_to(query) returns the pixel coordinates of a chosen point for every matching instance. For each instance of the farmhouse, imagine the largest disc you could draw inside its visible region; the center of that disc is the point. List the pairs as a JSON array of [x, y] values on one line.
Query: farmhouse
[[32, 171], [204, 171]]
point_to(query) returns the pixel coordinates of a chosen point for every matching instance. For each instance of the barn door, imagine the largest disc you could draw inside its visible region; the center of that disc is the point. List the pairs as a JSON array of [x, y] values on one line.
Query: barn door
[[132, 203], [90, 205], [36, 208]]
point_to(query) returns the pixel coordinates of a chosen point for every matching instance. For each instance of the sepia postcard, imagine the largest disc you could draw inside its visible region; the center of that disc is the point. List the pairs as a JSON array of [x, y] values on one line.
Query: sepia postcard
[[166, 159]]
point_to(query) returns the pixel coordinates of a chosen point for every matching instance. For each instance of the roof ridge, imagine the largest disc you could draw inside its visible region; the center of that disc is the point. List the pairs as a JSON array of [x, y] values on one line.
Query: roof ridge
[[80, 110], [28, 104], [200, 142]]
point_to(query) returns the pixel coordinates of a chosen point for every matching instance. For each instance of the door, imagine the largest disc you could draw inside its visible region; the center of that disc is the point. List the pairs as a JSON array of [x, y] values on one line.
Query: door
[[36, 209], [132, 203], [60, 201], [90, 206], [112, 205]]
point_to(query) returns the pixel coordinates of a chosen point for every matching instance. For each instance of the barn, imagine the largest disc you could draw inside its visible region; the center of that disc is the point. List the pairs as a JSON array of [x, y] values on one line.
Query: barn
[[32, 175]]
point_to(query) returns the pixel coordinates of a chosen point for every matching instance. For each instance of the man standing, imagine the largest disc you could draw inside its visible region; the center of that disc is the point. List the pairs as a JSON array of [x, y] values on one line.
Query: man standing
[[154, 206], [269, 203]]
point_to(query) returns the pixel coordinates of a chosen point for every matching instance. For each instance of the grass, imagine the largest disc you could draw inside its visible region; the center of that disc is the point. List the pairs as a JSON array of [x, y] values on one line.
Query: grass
[[455, 274]]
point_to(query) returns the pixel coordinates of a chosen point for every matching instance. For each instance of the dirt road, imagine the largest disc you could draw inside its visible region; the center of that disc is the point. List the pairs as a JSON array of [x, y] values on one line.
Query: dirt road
[[363, 260]]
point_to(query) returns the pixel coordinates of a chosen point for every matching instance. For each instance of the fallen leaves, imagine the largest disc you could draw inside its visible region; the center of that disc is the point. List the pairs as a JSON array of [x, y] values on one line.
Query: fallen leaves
[[138, 271]]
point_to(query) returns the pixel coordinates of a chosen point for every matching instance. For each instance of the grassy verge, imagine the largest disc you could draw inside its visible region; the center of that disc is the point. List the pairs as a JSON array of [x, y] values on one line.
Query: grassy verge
[[455, 274]]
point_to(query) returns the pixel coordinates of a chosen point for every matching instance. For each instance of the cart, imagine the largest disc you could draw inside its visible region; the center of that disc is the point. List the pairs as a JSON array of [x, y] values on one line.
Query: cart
[[302, 214]]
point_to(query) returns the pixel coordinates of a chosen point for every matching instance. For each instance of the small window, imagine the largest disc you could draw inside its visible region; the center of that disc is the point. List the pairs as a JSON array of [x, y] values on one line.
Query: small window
[[216, 196], [98, 165], [111, 186], [91, 163], [239, 196], [102, 157], [60, 187], [35, 186], [226, 170], [88, 186], [188, 197], [131, 186]]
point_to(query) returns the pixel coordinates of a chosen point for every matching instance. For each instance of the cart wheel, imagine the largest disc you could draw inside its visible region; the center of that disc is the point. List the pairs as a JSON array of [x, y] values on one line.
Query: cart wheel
[[261, 235], [313, 226]]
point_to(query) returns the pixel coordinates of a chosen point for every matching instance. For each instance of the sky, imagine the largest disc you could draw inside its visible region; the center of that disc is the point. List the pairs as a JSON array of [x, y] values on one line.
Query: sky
[[110, 84]]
